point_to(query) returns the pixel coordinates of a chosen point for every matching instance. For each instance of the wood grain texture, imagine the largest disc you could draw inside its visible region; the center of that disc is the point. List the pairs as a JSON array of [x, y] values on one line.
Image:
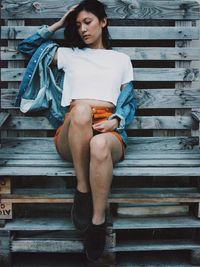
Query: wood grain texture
[[51, 224], [65, 246], [147, 98], [116, 32], [142, 122], [46, 145], [140, 74], [135, 53], [137, 9], [124, 196]]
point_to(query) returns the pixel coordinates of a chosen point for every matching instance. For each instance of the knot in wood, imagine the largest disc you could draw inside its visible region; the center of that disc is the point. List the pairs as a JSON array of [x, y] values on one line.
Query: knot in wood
[[12, 33], [37, 5]]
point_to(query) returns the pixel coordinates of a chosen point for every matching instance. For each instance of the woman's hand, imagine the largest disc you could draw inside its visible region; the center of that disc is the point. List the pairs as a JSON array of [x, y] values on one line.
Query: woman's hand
[[60, 23], [62, 20], [106, 126]]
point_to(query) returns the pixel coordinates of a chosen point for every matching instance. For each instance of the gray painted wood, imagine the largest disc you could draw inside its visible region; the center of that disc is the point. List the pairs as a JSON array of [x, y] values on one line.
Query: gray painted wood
[[140, 74], [143, 122], [144, 155], [125, 163], [31, 145], [196, 114], [122, 171], [128, 211], [50, 224], [3, 118], [135, 53], [147, 98], [155, 223], [156, 245], [5, 252], [116, 32], [65, 246], [139, 9], [118, 195], [195, 256], [56, 246]]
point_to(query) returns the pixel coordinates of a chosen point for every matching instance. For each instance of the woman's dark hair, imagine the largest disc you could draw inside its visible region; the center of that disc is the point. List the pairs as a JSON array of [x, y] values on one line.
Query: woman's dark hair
[[72, 37]]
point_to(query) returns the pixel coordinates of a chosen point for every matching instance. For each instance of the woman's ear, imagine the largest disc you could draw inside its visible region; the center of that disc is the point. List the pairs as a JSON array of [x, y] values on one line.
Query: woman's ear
[[104, 22]]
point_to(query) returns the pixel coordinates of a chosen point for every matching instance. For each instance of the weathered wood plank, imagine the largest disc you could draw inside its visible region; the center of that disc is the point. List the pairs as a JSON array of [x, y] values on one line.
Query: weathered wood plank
[[50, 224], [195, 256], [130, 211], [142, 144], [122, 171], [122, 195], [3, 117], [116, 32], [144, 155], [56, 246], [154, 223], [135, 53], [66, 246], [196, 114], [5, 185], [125, 163], [156, 245], [143, 122], [5, 253], [6, 210], [139, 9], [140, 74], [147, 98]]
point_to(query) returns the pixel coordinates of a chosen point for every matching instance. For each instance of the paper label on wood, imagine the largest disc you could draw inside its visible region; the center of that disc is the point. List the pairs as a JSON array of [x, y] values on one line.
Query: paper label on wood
[[5, 210], [5, 186]]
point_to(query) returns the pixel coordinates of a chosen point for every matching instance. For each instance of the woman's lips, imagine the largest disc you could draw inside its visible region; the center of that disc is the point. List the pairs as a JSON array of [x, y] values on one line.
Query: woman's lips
[[86, 36]]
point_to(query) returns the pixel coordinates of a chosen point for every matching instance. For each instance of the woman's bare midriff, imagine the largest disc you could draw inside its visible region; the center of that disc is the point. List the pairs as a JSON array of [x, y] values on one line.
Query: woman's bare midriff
[[92, 102]]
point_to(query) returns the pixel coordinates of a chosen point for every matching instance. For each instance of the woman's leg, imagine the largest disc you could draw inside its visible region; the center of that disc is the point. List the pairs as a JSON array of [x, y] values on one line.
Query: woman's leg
[[105, 150], [73, 143]]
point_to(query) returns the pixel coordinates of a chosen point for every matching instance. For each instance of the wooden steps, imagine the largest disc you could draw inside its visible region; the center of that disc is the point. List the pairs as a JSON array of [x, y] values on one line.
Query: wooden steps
[[65, 224]]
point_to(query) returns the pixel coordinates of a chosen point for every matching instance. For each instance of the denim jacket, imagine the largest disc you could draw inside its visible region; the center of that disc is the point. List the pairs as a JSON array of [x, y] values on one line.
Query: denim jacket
[[42, 85]]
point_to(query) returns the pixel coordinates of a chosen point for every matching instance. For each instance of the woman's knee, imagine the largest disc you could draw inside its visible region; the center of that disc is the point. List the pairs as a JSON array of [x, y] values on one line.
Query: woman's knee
[[81, 114], [99, 148]]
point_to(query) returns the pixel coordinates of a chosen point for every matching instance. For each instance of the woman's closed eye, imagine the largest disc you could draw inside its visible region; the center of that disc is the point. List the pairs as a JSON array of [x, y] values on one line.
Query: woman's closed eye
[[87, 23]]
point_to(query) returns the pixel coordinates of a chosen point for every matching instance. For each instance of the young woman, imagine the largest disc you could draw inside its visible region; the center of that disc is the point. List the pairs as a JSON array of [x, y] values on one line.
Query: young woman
[[98, 93], [94, 76]]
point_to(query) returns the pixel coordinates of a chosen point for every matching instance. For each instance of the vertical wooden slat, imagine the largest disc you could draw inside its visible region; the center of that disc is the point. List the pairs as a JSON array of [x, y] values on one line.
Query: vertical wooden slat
[[13, 64], [182, 64], [5, 253]]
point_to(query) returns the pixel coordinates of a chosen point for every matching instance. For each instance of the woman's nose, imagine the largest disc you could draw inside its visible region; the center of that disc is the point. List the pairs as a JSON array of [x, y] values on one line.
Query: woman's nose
[[83, 29]]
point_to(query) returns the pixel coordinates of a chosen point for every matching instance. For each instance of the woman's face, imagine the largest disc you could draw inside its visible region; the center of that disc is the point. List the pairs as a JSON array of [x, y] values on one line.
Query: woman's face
[[90, 28]]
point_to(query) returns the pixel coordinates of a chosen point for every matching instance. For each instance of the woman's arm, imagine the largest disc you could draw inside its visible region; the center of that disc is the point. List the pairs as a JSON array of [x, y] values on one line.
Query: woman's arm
[[29, 45]]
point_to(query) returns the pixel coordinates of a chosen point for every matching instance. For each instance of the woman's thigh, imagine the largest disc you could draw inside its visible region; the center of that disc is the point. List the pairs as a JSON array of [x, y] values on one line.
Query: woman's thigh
[[62, 146]]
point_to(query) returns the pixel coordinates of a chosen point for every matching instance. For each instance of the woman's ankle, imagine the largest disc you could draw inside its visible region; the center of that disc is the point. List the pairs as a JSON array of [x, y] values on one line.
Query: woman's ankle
[[98, 220], [83, 188]]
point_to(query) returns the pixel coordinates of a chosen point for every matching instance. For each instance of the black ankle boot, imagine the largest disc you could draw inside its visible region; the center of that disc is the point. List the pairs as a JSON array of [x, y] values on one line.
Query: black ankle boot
[[95, 241], [81, 212]]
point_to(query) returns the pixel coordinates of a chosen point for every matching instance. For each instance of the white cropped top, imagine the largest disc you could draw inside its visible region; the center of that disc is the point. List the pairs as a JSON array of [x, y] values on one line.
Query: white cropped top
[[93, 73]]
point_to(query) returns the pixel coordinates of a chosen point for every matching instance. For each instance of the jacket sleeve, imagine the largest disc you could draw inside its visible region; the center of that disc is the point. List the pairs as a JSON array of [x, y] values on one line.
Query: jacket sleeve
[[126, 107], [29, 45]]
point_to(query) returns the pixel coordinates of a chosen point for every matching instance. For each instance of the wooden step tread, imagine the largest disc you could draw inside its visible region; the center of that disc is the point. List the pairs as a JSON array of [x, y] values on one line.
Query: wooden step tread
[[68, 246], [156, 245], [125, 163], [157, 222], [118, 171], [118, 195], [151, 145], [51, 224]]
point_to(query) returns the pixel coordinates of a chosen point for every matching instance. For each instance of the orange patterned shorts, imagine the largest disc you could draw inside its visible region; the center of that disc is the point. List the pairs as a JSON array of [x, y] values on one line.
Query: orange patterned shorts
[[99, 114]]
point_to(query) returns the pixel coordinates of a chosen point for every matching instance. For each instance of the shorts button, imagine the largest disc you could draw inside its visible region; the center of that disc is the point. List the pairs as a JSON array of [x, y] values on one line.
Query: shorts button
[[93, 109]]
